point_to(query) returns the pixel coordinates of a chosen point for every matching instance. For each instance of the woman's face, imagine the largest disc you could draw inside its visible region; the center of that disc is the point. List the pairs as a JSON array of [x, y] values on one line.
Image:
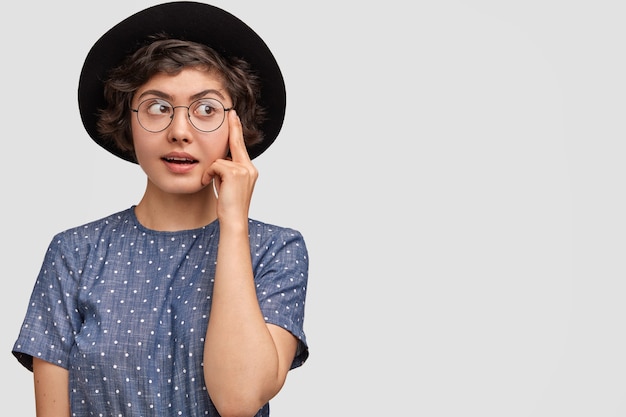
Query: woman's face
[[175, 157]]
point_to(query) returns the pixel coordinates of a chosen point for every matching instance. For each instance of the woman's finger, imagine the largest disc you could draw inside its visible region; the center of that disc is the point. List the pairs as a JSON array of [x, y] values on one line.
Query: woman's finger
[[238, 151]]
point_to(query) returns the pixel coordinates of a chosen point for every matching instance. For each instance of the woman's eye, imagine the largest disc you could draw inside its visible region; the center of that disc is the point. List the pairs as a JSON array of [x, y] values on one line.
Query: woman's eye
[[205, 108], [158, 108]]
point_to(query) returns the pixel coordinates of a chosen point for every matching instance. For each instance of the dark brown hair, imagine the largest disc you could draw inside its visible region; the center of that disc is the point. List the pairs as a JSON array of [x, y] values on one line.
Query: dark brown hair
[[170, 56]]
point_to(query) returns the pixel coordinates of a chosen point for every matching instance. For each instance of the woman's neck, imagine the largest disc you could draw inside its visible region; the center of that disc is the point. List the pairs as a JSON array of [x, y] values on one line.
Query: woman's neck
[[162, 211]]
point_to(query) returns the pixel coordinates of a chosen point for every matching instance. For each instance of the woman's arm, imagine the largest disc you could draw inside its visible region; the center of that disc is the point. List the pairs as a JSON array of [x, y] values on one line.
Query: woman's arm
[[245, 360], [52, 396]]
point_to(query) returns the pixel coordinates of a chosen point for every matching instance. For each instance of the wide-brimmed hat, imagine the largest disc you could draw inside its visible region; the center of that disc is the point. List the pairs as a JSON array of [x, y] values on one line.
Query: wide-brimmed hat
[[192, 21]]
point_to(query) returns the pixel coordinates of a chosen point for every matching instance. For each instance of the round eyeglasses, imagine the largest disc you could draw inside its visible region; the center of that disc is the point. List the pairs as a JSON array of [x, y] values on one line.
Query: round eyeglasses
[[205, 114]]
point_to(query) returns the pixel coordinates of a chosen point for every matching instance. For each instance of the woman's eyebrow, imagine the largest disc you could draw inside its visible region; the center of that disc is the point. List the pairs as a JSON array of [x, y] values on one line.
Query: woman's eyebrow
[[157, 93], [196, 96], [205, 92]]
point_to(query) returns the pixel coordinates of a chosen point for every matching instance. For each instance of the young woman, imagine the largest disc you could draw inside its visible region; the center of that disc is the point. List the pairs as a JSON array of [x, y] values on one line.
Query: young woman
[[179, 305]]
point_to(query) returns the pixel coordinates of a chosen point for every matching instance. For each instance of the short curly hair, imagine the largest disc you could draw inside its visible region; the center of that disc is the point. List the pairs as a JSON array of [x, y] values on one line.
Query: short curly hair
[[170, 56]]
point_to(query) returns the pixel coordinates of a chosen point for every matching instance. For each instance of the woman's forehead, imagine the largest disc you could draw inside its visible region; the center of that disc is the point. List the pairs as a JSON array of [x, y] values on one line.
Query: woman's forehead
[[188, 83]]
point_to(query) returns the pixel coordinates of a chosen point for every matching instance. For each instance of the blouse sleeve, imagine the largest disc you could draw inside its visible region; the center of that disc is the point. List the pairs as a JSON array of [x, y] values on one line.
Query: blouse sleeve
[[52, 318], [281, 262]]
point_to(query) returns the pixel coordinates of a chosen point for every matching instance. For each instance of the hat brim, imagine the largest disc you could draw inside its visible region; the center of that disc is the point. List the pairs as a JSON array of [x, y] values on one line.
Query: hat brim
[[192, 21]]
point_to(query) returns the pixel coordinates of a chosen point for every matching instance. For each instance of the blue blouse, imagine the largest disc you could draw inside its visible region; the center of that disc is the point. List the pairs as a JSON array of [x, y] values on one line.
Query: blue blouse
[[125, 310]]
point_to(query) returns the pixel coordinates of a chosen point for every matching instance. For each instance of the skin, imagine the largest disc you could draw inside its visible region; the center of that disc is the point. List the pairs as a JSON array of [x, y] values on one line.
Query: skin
[[245, 360]]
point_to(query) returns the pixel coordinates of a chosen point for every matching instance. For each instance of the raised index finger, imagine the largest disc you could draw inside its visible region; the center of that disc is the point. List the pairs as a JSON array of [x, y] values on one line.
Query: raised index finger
[[238, 150]]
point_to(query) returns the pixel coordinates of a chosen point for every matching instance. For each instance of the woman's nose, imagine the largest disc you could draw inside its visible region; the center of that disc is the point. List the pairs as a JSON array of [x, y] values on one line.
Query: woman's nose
[[180, 127]]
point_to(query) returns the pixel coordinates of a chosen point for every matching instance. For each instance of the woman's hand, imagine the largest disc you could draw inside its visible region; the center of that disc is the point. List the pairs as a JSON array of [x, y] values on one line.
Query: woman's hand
[[234, 178]]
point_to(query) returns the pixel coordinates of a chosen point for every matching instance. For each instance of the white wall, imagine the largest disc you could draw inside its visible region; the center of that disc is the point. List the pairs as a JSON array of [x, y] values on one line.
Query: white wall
[[455, 166]]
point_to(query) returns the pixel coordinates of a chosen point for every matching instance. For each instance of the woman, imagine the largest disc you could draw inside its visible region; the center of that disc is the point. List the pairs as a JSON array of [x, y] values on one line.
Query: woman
[[179, 305]]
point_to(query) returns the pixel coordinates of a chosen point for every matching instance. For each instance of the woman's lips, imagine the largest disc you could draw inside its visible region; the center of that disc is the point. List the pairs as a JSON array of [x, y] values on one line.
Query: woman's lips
[[179, 164]]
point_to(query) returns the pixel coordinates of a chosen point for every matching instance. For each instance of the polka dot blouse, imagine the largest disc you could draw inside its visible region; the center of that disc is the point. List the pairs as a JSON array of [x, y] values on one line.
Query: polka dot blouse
[[125, 310]]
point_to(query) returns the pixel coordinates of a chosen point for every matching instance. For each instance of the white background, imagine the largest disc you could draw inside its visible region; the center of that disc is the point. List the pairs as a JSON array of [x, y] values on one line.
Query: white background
[[456, 168]]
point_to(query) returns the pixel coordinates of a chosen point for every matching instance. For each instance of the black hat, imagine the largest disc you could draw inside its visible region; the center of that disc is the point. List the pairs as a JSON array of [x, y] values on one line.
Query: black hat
[[191, 21]]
